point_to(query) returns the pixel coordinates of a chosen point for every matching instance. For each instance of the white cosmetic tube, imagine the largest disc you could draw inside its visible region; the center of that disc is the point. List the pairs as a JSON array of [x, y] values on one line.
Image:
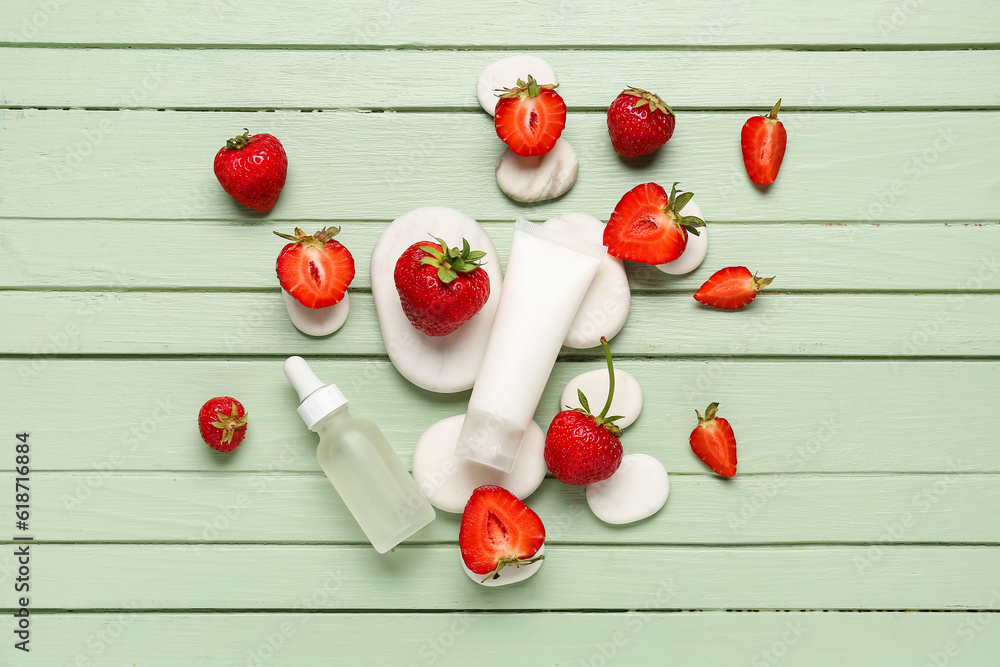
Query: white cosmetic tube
[[548, 274]]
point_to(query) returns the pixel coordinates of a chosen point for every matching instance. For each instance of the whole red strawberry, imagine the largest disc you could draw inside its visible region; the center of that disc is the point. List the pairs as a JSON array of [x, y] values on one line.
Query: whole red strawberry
[[731, 288], [441, 288], [763, 142], [315, 269], [581, 448], [498, 530], [639, 122], [252, 169], [222, 422], [530, 117], [647, 226], [714, 443]]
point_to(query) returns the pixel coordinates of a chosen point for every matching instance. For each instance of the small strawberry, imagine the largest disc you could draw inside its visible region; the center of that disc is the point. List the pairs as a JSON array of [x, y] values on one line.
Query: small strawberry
[[252, 169], [714, 443], [639, 122], [530, 117], [498, 530], [647, 225], [763, 141], [731, 288], [316, 269], [441, 288], [223, 423], [581, 448]]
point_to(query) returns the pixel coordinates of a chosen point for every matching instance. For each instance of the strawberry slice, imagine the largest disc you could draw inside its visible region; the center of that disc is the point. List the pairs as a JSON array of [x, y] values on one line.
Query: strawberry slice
[[647, 225], [316, 269], [763, 141], [714, 442], [530, 117], [731, 288], [498, 530]]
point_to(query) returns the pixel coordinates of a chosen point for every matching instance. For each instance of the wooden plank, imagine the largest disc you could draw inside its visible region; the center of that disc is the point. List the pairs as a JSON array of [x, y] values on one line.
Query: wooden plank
[[638, 637], [97, 255], [349, 166], [278, 577], [689, 23], [929, 325], [789, 417], [281, 507], [202, 79]]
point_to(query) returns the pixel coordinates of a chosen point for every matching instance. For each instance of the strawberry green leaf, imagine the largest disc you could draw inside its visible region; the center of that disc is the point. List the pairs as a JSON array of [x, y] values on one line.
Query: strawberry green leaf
[[583, 400]]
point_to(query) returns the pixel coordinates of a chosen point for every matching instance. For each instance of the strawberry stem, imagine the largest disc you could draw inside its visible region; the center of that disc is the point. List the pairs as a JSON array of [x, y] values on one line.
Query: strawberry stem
[[774, 111], [238, 142], [516, 561], [611, 383]]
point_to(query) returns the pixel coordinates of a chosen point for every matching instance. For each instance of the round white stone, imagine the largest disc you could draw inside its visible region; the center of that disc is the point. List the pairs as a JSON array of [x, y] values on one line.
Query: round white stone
[[531, 179], [448, 480], [316, 321], [627, 400], [445, 364], [605, 306], [638, 489], [509, 574], [504, 73], [695, 250]]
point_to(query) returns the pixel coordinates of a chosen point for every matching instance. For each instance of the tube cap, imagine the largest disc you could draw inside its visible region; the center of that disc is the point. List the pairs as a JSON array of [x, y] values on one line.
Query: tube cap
[[318, 399], [490, 440]]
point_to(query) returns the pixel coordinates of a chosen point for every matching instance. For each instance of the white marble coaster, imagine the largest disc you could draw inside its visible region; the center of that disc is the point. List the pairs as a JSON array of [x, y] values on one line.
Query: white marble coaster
[[444, 364], [531, 179], [627, 400], [638, 489], [449, 480], [695, 250], [504, 73], [605, 306], [316, 321], [509, 574]]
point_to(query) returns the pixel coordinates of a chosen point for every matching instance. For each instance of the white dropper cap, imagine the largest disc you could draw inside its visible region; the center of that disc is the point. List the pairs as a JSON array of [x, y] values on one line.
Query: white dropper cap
[[318, 399]]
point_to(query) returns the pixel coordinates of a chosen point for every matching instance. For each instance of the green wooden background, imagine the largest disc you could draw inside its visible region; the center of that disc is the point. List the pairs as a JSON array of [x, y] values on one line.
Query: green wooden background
[[863, 526]]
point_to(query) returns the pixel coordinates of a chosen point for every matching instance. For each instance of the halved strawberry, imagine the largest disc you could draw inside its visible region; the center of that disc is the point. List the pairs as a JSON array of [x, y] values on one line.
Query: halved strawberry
[[763, 142], [731, 288], [714, 442], [498, 530], [647, 225], [530, 117], [316, 270]]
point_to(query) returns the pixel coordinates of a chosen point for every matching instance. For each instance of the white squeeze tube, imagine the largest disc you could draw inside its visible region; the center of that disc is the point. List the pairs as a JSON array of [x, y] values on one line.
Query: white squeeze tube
[[548, 274]]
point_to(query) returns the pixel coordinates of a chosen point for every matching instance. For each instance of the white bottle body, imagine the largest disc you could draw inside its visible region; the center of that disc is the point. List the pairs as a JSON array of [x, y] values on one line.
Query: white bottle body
[[374, 484]]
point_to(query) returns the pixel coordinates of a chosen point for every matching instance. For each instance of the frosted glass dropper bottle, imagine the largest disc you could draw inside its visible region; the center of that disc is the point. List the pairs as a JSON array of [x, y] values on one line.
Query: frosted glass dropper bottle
[[360, 463]]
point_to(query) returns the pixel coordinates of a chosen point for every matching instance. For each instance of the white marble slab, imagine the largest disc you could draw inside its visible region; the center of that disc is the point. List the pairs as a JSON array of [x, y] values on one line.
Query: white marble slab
[[316, 321], [505, 72], [448, 480], [532, 179], [638, 489], [444, 364], [626, 402]]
